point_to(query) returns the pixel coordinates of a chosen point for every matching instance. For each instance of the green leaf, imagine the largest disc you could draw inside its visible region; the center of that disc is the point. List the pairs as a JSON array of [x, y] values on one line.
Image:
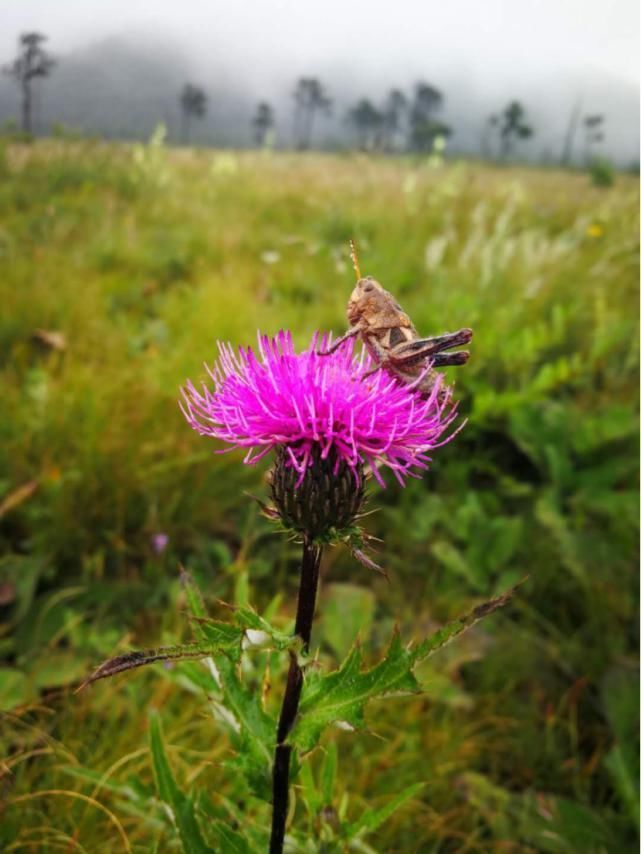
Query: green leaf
[[14, 688], [620, 692], [340, 697], [239, 707], [372, 819], [182, 808], [223, 637], [230, 841], [251, 729], [310, 795], [263, 633], [348, 611], [621, 763], [328, 774], [247, 625], [193, 595]]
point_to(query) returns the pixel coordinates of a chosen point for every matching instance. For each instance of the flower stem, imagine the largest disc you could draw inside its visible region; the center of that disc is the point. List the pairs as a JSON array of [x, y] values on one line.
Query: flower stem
[[304, 617]]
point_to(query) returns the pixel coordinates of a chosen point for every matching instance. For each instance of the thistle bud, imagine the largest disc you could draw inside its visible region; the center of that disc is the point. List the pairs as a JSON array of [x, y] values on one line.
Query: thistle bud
[[325, 502]]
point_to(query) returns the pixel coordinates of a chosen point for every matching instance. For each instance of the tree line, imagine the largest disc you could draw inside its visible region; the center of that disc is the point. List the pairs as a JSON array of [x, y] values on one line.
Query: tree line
[[403, 122]]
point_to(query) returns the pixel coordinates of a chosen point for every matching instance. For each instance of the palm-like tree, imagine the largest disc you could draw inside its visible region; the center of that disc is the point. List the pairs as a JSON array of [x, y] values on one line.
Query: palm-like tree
[[193, 104], [32, 61], [262, 122], [368, 123], [310, 98], [424, 127], [593, 126], [512, 126], [393, 115]]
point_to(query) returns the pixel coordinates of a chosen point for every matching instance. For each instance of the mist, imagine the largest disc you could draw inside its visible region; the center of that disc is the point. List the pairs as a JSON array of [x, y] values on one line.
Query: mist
[[122, 65]]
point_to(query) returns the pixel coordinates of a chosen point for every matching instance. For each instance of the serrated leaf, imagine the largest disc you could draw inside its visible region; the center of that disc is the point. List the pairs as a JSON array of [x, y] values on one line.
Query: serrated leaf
[[372, 819], [245, 621], [193, 595], [182, 808], [264, 634], [340, 697], [223, 637], [456, 627]]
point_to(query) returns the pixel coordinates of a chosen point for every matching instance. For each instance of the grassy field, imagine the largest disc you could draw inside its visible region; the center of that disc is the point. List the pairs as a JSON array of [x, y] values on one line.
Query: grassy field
[[139, 259]]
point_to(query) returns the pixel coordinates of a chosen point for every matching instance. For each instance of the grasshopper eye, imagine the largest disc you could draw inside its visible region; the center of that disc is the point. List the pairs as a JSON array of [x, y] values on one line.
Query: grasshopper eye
[[368, 288]]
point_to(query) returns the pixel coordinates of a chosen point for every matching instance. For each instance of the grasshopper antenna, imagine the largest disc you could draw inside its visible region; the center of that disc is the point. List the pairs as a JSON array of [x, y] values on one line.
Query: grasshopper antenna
[[354, 256]]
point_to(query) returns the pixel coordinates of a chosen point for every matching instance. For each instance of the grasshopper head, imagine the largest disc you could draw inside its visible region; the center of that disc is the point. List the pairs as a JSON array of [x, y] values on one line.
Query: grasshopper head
[[366, 301]]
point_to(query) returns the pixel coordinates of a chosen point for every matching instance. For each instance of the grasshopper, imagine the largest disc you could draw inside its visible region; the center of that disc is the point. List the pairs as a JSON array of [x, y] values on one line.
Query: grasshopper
[[391, 338]]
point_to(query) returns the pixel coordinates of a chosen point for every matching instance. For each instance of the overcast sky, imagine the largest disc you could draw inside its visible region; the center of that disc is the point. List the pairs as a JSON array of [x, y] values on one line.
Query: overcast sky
[[550, 54], [486, 39]]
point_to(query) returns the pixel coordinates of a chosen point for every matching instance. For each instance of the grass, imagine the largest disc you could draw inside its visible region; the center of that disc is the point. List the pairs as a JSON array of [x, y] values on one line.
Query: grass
[[142, 258]]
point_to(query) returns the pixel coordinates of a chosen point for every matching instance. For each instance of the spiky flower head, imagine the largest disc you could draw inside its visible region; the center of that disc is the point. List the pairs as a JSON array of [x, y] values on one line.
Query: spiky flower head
[[327, 416], [307, 402]]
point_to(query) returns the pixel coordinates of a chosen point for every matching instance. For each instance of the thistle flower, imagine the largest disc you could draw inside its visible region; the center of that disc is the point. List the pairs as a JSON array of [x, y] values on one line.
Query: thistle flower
[[304, 402], [317, 407]]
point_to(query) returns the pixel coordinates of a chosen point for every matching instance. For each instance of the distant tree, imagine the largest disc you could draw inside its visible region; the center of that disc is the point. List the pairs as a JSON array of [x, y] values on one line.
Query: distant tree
[[193, 104], [32, 61], [424, 126], [309, 98], [394, 113], [593, 128], [568, 144], [512, 126], [262, 122], [368, 123], [490, 130]]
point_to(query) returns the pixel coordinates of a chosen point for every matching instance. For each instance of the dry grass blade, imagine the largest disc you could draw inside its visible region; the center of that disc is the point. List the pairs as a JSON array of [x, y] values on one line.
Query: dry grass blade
[[17, 496], [78, 796]]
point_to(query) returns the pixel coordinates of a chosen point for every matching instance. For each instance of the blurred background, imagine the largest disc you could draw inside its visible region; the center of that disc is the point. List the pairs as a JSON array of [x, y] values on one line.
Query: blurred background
[[174, 173]]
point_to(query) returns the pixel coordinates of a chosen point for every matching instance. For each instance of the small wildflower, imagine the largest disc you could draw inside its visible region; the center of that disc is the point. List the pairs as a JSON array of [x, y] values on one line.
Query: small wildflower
[[159, 542], [594, 230]]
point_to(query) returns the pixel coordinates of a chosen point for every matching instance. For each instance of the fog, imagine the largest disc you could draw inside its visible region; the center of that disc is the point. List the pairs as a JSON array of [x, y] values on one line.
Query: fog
[[135, 55]]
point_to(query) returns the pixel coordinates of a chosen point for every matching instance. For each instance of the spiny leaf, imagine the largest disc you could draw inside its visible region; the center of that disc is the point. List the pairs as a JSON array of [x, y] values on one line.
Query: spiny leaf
[[244, 620], [253, 622], [223, 637], [193, 594], [340, 697], [456, 627], [181, 806], [131, 660]]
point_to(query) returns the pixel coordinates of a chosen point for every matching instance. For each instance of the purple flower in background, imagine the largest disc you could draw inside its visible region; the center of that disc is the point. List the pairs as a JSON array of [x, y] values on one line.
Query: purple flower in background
[[314, 406], [159, 542]]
